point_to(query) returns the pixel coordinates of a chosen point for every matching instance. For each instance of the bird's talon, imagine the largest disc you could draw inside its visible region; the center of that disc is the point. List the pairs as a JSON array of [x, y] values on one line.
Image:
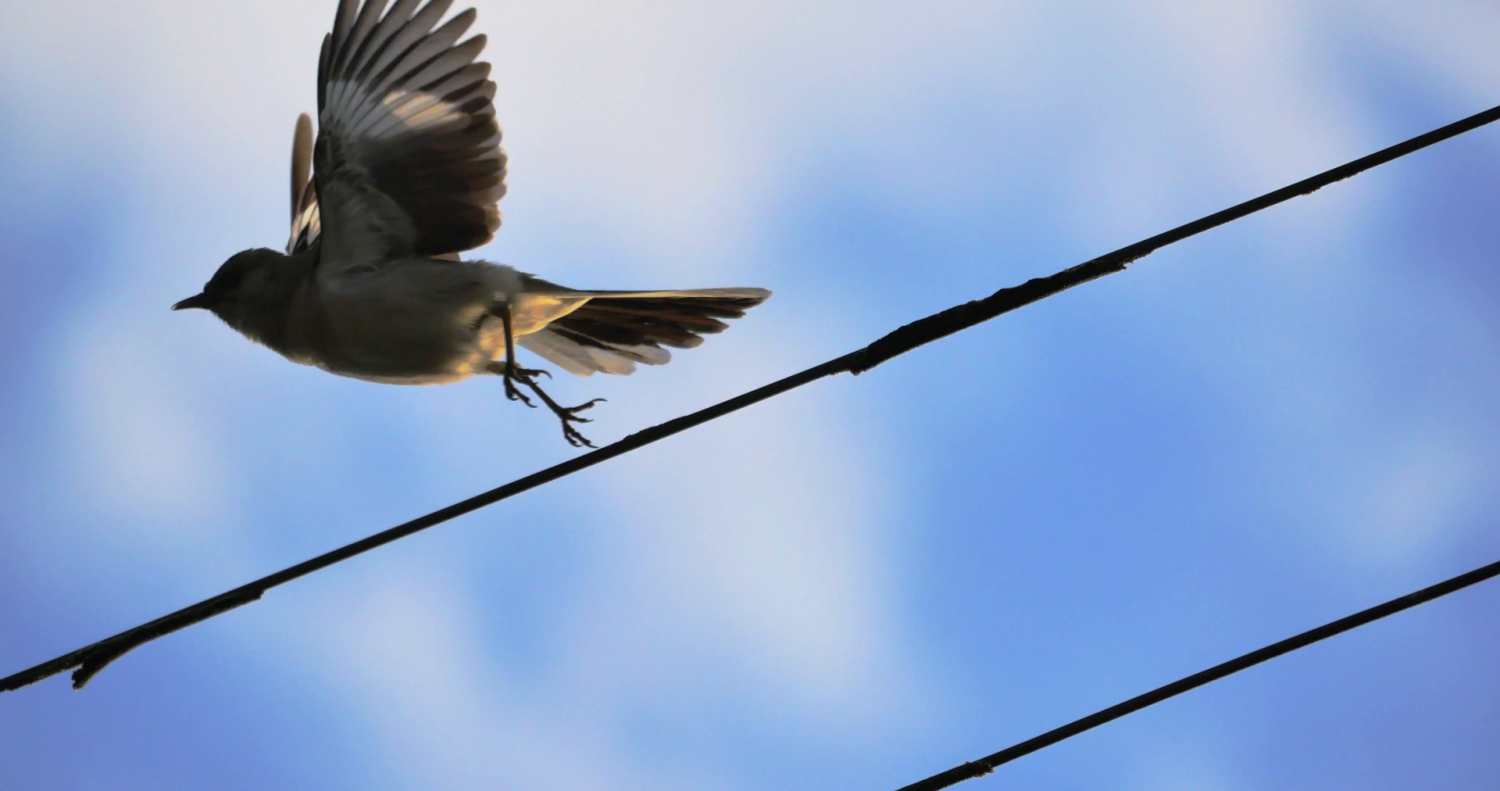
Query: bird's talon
[[574, 410], [528, 374], [574, 438], [514, 394], [569, 415]]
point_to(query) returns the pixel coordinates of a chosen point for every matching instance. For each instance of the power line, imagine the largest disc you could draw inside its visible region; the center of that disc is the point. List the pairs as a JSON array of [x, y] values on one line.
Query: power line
[[94, 658], [972, 769]]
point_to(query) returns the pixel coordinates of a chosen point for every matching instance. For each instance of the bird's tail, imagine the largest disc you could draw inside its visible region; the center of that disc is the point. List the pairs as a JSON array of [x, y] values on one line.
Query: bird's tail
[[614, 330]]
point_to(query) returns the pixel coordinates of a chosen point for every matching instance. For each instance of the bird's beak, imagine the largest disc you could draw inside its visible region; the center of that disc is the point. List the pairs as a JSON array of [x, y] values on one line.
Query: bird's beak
[[196, 301]]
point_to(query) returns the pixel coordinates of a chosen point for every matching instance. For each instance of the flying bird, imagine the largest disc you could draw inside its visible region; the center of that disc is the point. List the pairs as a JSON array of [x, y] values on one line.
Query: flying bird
[[405, 173]]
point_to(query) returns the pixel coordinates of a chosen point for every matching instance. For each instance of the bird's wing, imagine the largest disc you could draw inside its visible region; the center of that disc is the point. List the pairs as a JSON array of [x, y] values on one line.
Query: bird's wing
[[408, 158], [305, 225]]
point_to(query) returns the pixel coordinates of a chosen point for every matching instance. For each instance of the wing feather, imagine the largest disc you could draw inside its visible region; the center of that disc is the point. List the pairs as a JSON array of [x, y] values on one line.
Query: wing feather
[[305, 225], [408, 159]]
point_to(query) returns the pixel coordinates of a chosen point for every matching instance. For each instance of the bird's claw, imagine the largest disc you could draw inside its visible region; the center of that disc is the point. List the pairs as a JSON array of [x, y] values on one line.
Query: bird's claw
[[514, 394], [569, 415], [515, 374], [574, 410]]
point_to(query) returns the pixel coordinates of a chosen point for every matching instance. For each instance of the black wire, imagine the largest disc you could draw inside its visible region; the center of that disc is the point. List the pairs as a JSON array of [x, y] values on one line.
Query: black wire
[[89, 660], [984, 766]]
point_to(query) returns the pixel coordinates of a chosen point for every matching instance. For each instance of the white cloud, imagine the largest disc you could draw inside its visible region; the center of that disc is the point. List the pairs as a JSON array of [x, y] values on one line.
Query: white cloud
[[145, 453], [1411, 493], [405, 648], [757, 543], [770, 570], [668, 130], [1452, 42], [152, 455], [1181, 762]]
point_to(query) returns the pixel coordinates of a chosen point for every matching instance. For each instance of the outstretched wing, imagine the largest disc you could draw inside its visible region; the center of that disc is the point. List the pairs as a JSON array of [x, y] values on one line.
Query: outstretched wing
[[305, 226], [408, 158]]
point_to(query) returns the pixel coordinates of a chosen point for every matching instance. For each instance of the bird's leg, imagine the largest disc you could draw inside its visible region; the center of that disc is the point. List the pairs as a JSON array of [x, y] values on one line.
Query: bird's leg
[[512, 372], [567, 414], [526, 376]]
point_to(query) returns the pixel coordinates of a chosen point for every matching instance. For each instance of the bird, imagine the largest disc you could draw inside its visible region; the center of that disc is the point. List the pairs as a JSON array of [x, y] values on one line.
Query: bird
[[405, 173]]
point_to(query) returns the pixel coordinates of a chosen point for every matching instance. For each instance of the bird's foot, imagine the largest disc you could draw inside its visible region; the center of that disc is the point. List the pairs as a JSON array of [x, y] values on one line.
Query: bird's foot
[[567, 414], [514, 373]]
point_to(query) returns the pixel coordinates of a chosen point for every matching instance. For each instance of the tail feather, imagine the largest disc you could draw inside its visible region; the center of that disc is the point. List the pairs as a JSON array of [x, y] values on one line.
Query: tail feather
[[615, 330]]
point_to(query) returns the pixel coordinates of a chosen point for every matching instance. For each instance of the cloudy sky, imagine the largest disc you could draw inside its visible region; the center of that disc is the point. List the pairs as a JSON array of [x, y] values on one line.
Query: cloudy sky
[[855, 585]]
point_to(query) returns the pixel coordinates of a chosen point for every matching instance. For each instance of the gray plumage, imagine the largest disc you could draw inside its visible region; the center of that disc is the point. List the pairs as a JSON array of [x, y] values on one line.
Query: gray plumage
[[405, 173]]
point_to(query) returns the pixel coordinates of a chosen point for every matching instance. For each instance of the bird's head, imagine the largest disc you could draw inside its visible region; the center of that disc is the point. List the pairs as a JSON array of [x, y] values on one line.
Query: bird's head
[[248, 285]]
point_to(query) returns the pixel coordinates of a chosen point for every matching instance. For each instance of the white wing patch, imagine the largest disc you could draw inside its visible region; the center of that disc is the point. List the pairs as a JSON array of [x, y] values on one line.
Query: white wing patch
[[305, 228]]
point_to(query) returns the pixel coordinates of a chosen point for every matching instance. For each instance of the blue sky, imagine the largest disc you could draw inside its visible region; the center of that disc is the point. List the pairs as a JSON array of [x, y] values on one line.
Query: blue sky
[[855, 585]]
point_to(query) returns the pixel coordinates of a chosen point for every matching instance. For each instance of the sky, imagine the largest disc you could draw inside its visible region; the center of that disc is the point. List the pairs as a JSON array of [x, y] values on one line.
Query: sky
[[855, 585]]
